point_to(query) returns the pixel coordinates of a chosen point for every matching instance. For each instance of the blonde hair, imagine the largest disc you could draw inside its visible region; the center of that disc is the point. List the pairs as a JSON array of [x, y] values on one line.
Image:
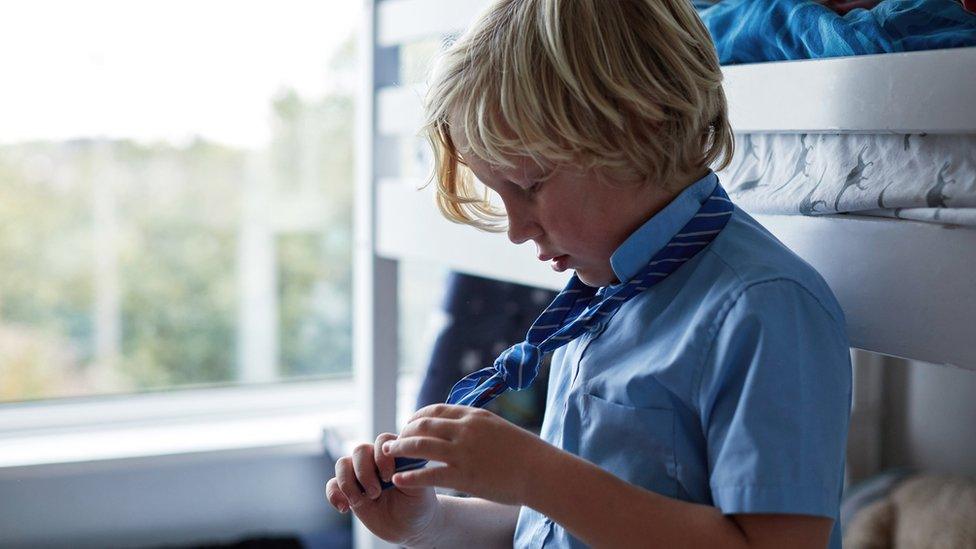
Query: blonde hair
[[630, 86]]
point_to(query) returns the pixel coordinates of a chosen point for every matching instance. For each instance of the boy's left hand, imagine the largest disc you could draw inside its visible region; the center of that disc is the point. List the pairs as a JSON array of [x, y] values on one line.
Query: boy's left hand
[[485, 455]]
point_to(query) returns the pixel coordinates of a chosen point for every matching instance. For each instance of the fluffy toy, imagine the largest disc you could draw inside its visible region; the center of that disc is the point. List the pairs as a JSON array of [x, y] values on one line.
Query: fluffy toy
[[923, 511]]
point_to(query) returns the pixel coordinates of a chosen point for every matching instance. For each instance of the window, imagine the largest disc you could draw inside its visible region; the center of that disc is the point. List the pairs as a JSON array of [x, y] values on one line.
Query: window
[[175, 194]]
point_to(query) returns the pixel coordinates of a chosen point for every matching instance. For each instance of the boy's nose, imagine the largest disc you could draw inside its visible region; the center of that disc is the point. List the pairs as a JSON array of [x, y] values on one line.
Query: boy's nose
[[522, 229]]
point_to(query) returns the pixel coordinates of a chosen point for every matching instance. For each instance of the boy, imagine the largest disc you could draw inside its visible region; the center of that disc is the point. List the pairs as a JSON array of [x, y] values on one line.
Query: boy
[[701, 396]]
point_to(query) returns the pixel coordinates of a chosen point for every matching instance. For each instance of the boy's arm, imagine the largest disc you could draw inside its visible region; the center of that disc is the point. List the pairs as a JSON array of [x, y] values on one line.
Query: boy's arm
[[472, 522], [605, 511]]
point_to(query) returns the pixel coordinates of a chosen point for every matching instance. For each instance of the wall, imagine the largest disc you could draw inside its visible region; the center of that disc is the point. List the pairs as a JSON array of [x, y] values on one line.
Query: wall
[[207, 497], [929, 420]]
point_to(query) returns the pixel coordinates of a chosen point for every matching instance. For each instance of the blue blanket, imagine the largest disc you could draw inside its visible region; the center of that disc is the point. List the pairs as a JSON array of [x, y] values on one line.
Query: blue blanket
[[752, 31]]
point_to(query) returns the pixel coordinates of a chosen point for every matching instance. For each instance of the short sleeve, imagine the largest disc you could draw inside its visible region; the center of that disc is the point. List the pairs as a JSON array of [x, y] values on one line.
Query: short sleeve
[[774, 399]]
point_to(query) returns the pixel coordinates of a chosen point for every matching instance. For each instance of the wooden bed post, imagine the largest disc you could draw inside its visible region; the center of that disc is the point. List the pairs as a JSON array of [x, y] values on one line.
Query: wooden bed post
[[867, 408], [374, 278]]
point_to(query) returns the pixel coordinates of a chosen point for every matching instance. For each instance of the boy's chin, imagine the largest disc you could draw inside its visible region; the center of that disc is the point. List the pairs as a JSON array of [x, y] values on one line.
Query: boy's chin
[[596, 280]]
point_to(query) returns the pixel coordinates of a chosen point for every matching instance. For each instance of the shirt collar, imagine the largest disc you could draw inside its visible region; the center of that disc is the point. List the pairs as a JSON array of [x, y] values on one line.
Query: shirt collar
[[635, 252]]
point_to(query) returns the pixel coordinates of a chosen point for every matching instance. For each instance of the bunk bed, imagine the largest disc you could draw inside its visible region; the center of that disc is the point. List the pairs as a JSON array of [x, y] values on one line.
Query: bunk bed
[[902, 271], [906, 286]]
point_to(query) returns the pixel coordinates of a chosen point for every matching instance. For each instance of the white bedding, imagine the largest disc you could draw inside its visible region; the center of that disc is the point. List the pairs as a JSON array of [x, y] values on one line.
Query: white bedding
[[921, 177]]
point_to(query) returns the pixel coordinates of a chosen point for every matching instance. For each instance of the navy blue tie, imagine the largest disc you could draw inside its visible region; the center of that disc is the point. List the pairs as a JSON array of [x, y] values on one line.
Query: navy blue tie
[[579, 307]]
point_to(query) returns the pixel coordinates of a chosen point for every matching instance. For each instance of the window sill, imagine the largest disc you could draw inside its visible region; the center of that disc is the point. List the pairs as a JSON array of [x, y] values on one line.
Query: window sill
[[287, 415]]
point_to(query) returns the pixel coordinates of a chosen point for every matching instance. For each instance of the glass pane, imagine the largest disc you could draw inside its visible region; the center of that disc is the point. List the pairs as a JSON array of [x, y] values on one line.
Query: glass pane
[[175, 194], [421, 293]]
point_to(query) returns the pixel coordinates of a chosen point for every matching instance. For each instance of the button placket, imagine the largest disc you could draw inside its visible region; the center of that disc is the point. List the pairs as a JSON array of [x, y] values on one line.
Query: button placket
[[588, 337], [585, 341], [543, 532]]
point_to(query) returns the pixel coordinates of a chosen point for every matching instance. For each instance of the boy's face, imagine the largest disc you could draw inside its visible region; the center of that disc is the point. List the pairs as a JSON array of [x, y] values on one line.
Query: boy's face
[[576, 221]]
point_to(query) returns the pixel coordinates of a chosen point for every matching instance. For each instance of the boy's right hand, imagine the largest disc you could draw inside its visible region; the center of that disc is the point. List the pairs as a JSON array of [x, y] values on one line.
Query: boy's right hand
[[403, 516]]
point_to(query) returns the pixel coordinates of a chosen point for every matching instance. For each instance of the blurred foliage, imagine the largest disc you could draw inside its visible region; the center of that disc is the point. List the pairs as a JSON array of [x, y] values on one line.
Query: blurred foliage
[[315, 269], [178, 262], [174, 224]]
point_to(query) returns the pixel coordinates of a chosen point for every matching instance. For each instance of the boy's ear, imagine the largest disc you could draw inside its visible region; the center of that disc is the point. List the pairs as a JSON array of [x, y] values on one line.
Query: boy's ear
[[620, 178]]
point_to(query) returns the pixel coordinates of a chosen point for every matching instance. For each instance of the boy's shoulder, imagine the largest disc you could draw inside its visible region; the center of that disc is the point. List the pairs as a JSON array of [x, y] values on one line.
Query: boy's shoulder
[[745, 255]]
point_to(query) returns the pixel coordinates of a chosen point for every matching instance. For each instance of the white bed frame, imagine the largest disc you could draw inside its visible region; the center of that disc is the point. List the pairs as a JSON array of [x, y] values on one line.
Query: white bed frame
[[908, 288]]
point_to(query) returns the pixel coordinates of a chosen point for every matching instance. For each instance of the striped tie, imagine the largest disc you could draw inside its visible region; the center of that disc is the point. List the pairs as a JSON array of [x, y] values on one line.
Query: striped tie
[[577, 309]]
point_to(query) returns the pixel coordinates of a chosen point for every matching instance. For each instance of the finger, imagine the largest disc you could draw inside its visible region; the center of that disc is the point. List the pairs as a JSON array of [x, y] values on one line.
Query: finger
[[446, 411], [444, 476], [384, 462], [429, 448], [334, 496], [346, 478], [365, 468], [431, 427]]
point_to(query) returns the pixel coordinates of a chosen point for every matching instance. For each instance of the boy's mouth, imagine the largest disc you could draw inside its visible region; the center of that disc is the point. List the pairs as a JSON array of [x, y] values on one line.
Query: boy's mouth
[[560, 263]]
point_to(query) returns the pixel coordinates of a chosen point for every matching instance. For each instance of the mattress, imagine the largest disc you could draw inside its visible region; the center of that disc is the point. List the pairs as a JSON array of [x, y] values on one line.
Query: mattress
[[912, 176]]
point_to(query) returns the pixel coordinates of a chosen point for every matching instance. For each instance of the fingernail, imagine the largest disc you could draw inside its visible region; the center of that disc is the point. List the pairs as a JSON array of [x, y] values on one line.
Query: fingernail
[[343, 508], [386, 447], [374, 493]]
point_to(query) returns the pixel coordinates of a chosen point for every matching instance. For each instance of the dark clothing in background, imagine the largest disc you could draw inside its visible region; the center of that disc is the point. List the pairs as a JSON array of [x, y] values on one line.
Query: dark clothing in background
[[485, 317]]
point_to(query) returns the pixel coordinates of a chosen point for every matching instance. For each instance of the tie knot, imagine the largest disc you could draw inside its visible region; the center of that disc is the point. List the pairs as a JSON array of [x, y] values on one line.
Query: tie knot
[[519, 365]]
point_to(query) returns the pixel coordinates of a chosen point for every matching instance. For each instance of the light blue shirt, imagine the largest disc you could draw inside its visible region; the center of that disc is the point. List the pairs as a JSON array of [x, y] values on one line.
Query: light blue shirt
[[726, 384]]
